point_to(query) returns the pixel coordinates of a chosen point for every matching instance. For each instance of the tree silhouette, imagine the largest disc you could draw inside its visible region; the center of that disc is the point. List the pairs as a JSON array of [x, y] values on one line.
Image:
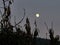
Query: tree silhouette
[[8, 37], [27, 26]]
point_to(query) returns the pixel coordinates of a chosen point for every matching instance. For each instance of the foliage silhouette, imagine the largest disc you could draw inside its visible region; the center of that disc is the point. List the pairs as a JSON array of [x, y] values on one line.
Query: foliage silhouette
[[8, 37]]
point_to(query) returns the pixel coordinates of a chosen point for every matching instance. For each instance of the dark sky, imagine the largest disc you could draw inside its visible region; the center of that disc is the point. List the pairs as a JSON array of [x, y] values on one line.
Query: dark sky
[[49, 11]]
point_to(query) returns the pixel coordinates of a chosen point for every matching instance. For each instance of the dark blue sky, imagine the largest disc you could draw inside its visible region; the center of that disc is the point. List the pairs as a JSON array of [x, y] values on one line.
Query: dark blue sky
[[49, 11]]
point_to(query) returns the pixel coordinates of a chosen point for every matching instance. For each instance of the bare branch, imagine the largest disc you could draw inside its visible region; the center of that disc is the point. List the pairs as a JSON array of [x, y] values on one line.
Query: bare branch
[[46, 25], [1, 13], [21, 19], [52, 25]]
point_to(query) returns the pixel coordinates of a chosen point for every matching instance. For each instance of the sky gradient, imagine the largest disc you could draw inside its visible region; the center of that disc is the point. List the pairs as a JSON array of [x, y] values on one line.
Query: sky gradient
[[49, 11]]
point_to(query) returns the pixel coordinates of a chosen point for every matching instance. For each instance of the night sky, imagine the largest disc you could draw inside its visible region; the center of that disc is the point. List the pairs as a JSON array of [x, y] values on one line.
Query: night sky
[[49, 11]]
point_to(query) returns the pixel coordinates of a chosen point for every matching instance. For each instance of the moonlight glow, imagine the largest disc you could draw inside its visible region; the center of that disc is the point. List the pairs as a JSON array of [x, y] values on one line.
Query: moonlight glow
[[37, 15]]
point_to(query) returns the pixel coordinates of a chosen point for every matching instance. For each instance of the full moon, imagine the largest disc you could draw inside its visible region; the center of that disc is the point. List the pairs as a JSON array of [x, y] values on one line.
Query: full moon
[[37, 15]]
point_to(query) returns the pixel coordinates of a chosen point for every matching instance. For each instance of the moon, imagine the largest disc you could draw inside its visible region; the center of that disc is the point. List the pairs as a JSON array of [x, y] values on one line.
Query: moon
[[37, 14]]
